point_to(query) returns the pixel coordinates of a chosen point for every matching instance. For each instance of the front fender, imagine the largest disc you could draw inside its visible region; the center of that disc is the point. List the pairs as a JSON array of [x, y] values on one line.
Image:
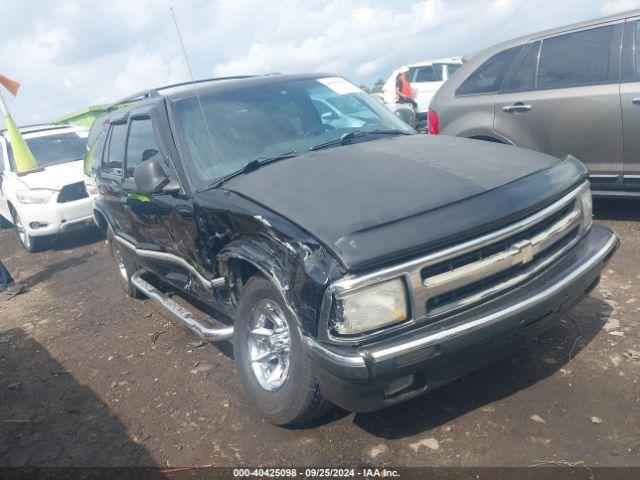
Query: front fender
[[299, 271], [256, 254]]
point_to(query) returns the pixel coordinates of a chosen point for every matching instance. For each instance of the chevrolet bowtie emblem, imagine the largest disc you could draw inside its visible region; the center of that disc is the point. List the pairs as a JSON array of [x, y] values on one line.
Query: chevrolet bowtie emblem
[[523, 252]]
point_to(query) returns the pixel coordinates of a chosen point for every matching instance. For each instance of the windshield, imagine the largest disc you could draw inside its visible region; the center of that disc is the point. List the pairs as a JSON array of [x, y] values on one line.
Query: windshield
[[56, 149], [265, 121]]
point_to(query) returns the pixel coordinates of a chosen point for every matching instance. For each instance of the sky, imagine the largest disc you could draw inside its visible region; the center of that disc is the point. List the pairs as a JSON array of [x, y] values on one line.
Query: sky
[[68, 54]]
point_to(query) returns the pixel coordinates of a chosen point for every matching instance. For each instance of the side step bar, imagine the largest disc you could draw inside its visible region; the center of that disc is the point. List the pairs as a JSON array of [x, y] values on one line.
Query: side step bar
[[199, 328]]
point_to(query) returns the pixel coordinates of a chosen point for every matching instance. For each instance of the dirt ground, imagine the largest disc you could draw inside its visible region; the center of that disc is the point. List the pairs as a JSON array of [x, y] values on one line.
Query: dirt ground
[[91, 378]]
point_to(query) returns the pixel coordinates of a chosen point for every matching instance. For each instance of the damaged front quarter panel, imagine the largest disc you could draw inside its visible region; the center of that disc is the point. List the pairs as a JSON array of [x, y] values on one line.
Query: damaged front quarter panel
[[239, 238]]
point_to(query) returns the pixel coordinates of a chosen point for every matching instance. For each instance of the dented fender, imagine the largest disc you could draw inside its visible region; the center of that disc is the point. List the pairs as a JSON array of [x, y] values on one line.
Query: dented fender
[[257, 255], [290, 257]]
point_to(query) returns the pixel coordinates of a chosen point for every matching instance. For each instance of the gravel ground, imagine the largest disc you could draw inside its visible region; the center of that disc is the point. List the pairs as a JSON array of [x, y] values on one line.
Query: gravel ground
[[91, 378]]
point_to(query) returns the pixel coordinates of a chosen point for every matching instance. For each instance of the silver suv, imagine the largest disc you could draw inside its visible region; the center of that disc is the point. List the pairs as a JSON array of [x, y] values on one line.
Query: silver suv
[[572, 90]]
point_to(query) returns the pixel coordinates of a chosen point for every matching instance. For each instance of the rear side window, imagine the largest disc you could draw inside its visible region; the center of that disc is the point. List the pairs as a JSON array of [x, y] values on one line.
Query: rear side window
[[575, 59], [94, 152], [142, 144], [426, 74], [451, 68], [114, 159], [488, 77], [524, 78]]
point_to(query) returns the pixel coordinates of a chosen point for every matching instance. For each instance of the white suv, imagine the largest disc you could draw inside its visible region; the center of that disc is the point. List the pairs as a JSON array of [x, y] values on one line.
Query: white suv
[[425, 78], [52, 199]]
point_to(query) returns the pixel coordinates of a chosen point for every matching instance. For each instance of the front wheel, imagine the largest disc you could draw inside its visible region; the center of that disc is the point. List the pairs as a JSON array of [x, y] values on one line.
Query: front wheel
[[30, 244], [271, 360], [124, 264]]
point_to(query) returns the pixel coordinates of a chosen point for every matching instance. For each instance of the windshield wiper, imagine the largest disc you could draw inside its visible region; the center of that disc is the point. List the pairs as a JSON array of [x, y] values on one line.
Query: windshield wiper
[[347, 137], [250, 167]]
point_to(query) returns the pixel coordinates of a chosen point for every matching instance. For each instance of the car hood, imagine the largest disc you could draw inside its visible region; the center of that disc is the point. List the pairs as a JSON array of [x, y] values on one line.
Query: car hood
[[54, 177], [373, 201]]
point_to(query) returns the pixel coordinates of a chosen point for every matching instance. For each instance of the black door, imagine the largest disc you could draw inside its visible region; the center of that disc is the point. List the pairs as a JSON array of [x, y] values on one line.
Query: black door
[[163, 225], [112, 188]]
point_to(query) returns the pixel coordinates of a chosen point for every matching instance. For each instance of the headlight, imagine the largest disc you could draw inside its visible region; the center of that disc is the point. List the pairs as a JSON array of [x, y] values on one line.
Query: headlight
[[370, 308], [34, 196], [587, 208]]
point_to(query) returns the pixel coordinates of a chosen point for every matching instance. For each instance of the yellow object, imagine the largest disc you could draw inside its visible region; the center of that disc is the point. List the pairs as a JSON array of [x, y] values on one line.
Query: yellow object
[[22, 156]]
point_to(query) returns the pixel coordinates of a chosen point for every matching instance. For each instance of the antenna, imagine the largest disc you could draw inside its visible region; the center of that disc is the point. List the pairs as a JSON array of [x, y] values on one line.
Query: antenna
[[195, 88]]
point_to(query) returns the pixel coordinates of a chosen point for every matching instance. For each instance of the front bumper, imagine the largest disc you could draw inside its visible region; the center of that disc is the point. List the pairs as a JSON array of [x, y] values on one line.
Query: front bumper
[[55, 218], [357, 377]]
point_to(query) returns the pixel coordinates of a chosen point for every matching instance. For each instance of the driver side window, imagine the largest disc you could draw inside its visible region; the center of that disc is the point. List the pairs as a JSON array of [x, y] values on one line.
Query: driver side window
[[141, 145]]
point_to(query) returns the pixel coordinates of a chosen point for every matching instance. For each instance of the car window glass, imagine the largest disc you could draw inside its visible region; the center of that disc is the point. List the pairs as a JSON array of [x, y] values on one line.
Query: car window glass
[[115, 155], [525, 78], [243, 125], [427, 74], [580, 58], [451, 68], [637, 48], [141, 145], [55, 149], [1, 160], [488, 76], [94, 152]]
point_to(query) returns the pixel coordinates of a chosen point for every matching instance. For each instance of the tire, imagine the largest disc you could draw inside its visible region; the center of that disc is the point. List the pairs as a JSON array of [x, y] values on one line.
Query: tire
[[294, 397], [124, 264], [31, 244]]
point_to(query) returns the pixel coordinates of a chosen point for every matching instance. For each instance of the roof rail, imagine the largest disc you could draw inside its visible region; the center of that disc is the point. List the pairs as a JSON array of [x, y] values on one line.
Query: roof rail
[[44, 126], [154, 92], [131, 98], [204, 80]]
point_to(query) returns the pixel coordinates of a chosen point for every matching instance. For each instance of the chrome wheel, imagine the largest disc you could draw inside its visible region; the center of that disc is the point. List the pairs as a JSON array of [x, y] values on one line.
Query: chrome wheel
[[269, 345]]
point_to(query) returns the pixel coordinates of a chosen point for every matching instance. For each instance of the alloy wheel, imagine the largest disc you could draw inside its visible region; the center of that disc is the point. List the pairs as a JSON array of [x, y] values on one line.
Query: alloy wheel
[[269, 345]]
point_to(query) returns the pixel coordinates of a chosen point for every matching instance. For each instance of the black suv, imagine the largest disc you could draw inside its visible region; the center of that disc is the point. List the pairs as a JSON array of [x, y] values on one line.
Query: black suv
[[358, 263]]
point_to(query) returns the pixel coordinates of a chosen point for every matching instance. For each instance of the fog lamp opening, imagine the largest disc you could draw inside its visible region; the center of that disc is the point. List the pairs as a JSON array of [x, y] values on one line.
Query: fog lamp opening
[[399, 385]]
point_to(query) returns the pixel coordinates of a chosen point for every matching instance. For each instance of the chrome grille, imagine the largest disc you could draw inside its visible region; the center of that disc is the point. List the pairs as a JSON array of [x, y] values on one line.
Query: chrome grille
[[474, 276], [473, 271]]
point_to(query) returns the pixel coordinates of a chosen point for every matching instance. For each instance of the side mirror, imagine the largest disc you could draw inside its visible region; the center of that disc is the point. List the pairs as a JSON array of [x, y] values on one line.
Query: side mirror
[[151, 179]]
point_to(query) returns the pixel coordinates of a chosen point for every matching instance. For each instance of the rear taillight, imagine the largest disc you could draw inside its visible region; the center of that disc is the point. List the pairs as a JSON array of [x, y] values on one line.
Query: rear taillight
[[432, 122]]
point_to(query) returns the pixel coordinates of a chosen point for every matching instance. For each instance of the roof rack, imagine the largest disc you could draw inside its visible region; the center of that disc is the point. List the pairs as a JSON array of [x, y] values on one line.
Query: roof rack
[[136, 97], [154, 92]]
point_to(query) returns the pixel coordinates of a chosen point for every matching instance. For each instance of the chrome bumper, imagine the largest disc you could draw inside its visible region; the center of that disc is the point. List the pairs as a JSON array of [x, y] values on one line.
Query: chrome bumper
[[569, 277], [472, 272]]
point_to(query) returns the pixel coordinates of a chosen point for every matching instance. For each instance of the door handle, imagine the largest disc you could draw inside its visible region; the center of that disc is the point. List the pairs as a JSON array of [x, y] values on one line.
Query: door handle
[[516, 108], [636, 101]]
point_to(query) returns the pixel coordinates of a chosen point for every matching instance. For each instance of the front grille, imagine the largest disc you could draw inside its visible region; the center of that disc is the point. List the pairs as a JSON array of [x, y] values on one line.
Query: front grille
[[471, 272], [493, 267], [72, 192]]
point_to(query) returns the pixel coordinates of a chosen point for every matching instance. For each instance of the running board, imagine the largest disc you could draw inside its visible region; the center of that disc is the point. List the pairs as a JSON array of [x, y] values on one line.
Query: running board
[[201, 329]]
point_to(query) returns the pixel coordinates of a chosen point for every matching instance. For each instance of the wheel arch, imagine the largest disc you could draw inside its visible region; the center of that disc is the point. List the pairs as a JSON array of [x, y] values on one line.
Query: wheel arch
[[242, 259], [100, 220], [489, 138], [245, 259]]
